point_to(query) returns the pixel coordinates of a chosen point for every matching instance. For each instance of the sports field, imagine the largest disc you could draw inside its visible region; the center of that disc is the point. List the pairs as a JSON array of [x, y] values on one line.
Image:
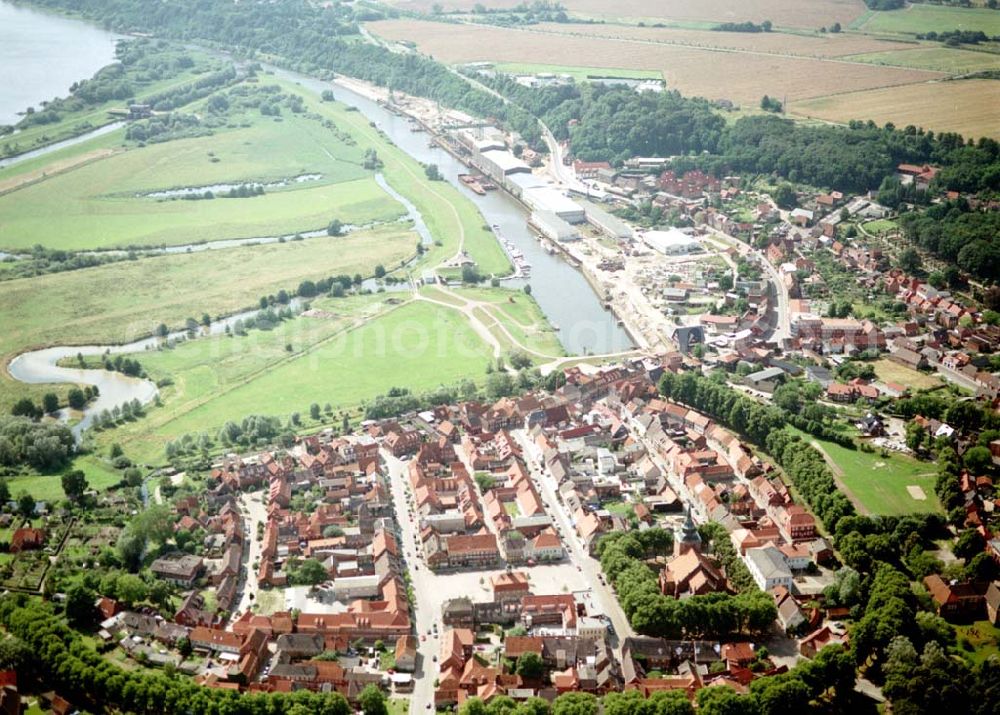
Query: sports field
[[964, 106], [742, 77], [415, 345], [100, 204], [919, 18], [122, 301], [881, 485]]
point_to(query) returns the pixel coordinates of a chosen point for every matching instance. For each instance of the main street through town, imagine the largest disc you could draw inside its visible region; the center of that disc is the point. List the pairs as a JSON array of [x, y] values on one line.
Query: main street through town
[[590, 567], [579, 573], [421, 581], [254, 512]]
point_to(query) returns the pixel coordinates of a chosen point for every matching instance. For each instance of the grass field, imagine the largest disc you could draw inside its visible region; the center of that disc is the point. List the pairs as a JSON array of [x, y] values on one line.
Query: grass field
[[521, 317], [415, 345], [786, 13], [100, 476], [122, 301], [580, 74], [880, 225], [96, 205], [943, 59], [739, 76], [920, 18], [964, 106], [879, 484], [894, 372]]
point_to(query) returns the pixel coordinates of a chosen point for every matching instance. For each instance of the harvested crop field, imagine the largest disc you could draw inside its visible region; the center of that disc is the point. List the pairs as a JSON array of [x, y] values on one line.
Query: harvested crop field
[[786, 13], [968, 107], [828, 45], [740, 77]]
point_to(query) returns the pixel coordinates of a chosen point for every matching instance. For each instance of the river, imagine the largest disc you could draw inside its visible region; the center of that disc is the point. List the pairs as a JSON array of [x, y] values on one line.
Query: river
[[561, 291], [42, 54], [569, 303]]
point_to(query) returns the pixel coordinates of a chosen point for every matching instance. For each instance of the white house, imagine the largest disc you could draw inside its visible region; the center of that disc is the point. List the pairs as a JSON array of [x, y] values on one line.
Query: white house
[[768, 568]]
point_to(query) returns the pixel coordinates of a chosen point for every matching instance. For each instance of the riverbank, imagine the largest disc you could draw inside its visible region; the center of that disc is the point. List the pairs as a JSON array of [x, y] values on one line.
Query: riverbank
[[430, 119]]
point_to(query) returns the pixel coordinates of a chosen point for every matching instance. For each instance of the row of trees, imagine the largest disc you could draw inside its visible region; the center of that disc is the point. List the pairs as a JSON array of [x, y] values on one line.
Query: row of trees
[[651, 613], [76, 398], [762, 425], [56, 657], [824, 683]]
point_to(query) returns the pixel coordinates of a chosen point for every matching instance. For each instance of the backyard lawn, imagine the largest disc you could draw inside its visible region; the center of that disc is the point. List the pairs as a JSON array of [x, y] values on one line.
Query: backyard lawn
[[983, 638], [890, 371]]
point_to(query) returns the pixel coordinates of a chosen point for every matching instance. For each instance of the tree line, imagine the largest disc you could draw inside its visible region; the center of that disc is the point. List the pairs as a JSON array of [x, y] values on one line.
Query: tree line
[[623, 559], [610, 123], [25, 442], [956, 233], [56, 657], [310, 37]]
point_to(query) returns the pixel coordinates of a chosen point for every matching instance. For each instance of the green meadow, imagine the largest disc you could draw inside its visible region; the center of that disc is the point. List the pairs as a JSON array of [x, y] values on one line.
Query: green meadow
[[102, 204], [412, 344], [879, 484], [920, 18], [942, 59], [122, 301]]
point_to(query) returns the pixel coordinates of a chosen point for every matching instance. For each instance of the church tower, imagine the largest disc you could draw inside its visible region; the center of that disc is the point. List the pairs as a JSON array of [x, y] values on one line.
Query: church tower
[[688, 538]]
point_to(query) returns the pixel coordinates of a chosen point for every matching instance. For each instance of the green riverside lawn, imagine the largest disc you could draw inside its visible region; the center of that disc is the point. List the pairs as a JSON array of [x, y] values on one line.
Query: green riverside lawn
[[415, 345], [121, 301]]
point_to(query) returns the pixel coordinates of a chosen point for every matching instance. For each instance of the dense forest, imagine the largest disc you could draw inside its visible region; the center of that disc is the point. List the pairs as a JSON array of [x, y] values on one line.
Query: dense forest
[[615, 123], [958, 234]]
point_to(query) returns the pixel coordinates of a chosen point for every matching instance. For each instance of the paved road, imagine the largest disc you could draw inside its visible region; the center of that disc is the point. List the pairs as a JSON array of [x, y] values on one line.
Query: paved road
[[422, 582], [253, 510], [782, 327], [590, 567]]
